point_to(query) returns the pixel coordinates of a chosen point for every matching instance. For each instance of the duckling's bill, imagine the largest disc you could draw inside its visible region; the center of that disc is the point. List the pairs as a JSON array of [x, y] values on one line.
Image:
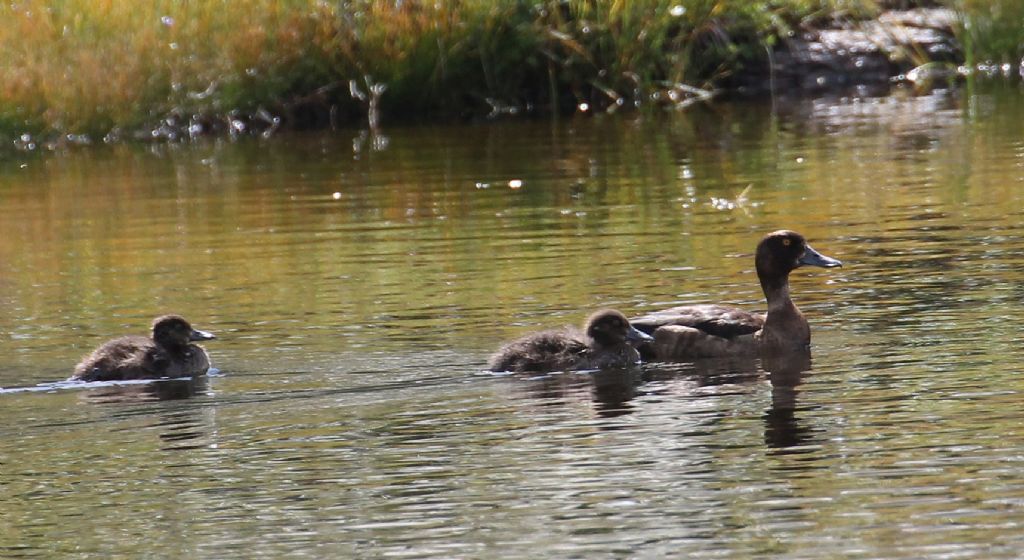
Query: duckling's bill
[[638, 336], [197, 335]]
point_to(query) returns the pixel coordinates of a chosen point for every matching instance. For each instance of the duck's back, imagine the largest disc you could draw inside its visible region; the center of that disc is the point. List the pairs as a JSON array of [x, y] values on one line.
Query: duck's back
[[699, 331], [717, 320], [127, 357], [543, 351]]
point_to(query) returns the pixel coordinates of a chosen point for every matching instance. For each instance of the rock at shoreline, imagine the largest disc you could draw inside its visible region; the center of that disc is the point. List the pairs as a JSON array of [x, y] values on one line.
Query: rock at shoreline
[[866, 52]]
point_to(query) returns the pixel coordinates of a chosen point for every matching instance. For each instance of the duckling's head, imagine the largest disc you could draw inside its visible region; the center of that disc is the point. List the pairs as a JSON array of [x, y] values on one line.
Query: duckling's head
[[783, 251], [173, 331], [609, 327]]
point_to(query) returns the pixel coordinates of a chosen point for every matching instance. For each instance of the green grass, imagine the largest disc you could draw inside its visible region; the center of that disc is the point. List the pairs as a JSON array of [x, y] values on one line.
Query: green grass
[[97, 66], [992, 31]]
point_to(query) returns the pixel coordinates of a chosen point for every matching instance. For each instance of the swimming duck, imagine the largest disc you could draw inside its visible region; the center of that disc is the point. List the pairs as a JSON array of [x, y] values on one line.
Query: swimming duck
[[603, 343], [169, 353], [701, 331]]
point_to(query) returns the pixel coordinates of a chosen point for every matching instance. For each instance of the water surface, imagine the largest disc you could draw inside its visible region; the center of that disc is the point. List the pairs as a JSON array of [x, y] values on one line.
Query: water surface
[[357, 285]]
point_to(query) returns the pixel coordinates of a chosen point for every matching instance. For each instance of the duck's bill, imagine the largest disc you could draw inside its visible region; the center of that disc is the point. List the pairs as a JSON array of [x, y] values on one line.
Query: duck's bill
[[638, 336], [198, 335], [814, 258]]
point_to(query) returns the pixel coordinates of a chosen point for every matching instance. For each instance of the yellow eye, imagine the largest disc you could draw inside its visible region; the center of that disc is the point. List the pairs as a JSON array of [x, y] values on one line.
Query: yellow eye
[[787, 242]]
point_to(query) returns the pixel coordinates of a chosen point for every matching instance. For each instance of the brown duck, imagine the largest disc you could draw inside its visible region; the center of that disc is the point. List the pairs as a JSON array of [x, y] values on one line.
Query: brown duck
[[169, 353], [605, 342], [702, 331]]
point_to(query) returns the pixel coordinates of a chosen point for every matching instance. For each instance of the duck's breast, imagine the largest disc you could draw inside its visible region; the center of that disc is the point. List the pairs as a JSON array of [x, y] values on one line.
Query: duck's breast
[[194, 362]]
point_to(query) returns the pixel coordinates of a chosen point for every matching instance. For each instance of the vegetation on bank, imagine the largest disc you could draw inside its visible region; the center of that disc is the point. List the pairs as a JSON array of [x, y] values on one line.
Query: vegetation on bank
[[169, 68], [992, 32]]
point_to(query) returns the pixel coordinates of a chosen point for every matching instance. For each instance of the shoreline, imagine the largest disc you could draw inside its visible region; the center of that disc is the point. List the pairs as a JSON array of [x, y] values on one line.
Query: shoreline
[[916, 46], [561, 72]]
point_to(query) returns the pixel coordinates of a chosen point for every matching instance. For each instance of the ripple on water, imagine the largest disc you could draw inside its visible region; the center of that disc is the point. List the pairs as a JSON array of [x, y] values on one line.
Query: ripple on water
[[353, 417]]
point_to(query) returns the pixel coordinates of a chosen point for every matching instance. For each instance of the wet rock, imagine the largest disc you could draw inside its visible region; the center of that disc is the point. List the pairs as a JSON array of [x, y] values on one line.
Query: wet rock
[[863, 52]]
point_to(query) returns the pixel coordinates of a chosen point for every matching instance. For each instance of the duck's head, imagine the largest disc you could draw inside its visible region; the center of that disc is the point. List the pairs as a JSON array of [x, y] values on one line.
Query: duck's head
[[174, 331], [783, 251], [609, 327]]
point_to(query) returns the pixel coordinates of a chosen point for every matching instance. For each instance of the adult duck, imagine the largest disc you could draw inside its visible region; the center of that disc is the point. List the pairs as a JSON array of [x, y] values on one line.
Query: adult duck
[[169, 353], [702, 331], [605, 342]]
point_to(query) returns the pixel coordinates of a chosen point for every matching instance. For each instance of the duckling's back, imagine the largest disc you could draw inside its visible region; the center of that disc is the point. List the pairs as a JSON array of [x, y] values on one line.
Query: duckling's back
[[543, 351], [127, 357]]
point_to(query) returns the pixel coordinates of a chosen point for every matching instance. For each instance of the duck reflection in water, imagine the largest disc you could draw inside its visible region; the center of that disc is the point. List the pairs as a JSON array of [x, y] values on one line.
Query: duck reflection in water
[[611, 390], [783, 429], [698, 380], [156, 390], [178, 426]]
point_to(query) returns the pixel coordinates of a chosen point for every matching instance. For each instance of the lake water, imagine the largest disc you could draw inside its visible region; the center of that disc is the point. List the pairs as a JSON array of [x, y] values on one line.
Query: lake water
[[358, 284]]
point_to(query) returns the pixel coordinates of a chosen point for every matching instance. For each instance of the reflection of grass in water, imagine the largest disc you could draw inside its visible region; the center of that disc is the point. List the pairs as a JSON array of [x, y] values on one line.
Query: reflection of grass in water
[[89, 66]]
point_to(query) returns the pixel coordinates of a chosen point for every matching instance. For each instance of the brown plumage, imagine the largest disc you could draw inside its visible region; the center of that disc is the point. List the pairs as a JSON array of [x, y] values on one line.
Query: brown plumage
[[701, 331], [603, 343], [169, 353]]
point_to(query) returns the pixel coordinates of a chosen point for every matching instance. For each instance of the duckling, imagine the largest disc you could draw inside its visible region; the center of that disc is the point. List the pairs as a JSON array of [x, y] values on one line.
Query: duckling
[[169, 353], [603, 343], [701, 331]]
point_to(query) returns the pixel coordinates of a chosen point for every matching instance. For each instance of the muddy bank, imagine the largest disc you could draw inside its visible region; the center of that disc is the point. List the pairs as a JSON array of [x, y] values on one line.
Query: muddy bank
[[900, 45]]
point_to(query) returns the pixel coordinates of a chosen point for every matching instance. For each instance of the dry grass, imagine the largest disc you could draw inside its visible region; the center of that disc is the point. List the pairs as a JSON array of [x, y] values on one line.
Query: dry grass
[[92, 66]]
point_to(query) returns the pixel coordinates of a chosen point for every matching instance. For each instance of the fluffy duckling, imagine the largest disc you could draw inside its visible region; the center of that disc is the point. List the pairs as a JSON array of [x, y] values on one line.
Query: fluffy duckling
[[603, 343], [169, 353]]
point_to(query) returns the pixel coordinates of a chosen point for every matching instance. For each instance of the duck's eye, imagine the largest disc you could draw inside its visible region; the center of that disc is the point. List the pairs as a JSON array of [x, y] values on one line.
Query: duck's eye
[[787, 241]]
